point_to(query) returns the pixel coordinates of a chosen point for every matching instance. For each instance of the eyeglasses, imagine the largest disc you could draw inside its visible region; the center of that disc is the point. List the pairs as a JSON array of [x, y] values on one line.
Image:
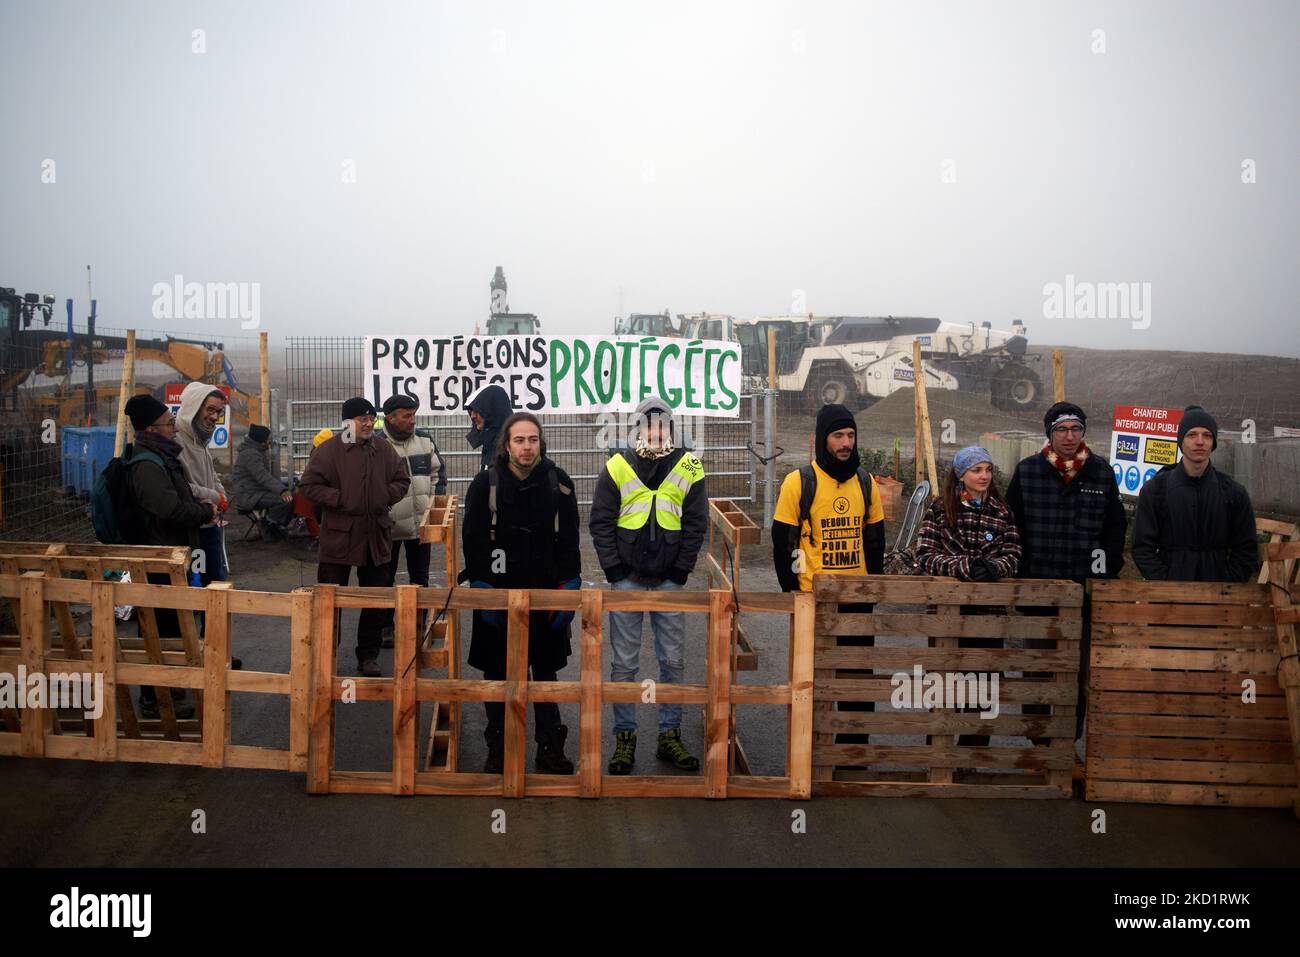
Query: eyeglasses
[[1068, 430]]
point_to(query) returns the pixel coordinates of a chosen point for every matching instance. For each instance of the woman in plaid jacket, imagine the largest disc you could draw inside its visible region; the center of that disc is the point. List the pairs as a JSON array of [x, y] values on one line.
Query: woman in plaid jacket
[[970, 532]]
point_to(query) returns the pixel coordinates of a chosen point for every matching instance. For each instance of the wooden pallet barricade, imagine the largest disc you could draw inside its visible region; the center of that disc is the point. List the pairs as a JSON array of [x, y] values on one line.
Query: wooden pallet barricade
[[439, 643], [117, 735], [407, 688], [1185, 704], [916, 624]]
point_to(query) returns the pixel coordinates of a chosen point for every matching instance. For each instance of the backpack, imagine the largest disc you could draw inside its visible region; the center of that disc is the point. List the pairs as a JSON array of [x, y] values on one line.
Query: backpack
[[808, 491], [556, 489], [108, 497]]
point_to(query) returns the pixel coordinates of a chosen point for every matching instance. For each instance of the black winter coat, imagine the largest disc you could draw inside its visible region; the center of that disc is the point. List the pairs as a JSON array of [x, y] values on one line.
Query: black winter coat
[[163, 510], [536, 556], [650, 552], [1195, 529], [1061, 524]]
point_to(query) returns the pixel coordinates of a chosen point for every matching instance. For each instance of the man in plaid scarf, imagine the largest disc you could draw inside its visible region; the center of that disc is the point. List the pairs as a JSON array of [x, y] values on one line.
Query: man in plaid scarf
[[1067, 505]]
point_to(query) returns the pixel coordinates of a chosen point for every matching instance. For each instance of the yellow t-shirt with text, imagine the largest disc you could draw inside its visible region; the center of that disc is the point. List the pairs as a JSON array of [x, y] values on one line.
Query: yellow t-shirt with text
[[836, 515]]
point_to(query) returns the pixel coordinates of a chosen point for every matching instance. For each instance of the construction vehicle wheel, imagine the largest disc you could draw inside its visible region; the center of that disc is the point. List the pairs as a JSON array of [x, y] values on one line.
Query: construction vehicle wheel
[[1016, 388], [830, 388]]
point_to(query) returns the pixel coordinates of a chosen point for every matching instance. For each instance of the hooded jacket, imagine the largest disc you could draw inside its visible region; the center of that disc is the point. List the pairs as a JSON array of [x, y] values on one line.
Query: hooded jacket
[[649, 553], [428, 472], [194, 456], [1195, 529], [355, 483], [255, 480], [788, 537], [163, 509], [494, 405]]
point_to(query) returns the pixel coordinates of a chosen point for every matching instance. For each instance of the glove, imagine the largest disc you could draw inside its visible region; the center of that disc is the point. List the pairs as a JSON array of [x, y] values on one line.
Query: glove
[[979, 571], [617, 573], [991, 569], [677, 576], [490, 616], [222, 504], [560, 620]]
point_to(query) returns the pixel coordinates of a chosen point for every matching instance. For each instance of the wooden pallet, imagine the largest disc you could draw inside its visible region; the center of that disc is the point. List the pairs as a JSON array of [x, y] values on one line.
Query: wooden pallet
[[117, 735], [918, 622], [406, 689], [1167, 723], [439, 644], [1283, 567]]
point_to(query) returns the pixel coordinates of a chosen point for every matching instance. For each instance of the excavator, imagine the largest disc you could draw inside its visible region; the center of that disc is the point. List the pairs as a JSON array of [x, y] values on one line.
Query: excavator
[[29, 347]]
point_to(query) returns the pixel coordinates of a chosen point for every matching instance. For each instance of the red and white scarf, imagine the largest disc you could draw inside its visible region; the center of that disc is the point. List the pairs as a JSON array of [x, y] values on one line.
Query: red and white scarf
[[1070, 467]]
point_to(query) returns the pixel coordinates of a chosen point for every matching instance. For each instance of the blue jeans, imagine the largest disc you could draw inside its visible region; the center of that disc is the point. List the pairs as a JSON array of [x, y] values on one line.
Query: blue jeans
[[669, 629]]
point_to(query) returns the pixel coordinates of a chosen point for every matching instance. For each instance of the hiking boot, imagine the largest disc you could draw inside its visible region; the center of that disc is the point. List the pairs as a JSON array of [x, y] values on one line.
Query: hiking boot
[[496, 756], [550, 752], [369, 667], [672, 749], [624, 752], [386, 637]]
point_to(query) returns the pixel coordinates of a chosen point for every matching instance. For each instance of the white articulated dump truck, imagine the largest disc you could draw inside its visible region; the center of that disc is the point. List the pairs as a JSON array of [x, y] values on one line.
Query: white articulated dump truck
[[854, 360]]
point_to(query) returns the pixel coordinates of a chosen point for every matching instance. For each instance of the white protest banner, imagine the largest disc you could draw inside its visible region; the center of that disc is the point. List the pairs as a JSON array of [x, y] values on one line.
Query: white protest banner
[[557, 373]]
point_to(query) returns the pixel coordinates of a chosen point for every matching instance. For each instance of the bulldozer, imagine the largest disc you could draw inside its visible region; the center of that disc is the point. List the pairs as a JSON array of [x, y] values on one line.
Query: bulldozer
[[28, 347], [855, 360]]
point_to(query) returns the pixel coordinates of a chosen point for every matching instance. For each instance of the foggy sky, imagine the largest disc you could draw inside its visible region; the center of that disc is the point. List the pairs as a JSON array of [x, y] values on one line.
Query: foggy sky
[[728, 157]]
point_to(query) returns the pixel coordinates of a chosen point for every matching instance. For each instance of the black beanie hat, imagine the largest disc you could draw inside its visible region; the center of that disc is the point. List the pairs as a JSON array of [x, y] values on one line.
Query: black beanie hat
[[832, 418], [1194, 417], [1067, 410], [357, 405], [259, 433], [143, 411], [396, 402]]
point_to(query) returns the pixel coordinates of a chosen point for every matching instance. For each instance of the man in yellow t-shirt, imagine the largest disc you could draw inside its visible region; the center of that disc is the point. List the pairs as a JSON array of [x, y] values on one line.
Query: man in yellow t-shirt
[[838, 531]]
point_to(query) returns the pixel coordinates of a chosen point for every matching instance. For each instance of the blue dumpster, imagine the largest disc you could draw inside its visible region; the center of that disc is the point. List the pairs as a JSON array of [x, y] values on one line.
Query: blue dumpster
[[85, 452]]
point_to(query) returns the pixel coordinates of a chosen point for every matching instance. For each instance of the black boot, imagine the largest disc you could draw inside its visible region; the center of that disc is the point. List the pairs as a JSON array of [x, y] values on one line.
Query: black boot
[[550, 751], [496, 756]]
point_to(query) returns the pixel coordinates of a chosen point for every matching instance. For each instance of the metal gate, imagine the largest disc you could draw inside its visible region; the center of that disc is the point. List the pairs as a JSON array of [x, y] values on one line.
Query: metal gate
[[325, 371]]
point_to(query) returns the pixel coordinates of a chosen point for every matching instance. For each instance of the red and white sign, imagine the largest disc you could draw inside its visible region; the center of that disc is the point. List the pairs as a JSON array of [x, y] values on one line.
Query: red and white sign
[[221, 434], [1143, 440]]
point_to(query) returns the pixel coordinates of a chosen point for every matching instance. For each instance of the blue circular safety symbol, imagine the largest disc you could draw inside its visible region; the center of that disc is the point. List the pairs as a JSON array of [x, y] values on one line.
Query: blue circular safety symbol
[[1119, 473], [1131, 478], [219, 435], [1148, 475]]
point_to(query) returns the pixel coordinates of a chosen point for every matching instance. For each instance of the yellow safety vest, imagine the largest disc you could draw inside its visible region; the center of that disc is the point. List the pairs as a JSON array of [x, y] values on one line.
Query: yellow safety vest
[[636, 496]]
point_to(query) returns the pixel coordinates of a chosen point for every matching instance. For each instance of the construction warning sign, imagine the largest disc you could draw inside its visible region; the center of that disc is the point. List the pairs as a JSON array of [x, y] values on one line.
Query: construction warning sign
[[1143, 439]]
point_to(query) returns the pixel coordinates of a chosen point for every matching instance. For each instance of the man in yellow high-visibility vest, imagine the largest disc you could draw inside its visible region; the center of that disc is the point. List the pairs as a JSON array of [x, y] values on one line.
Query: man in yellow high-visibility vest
[[649, 520]]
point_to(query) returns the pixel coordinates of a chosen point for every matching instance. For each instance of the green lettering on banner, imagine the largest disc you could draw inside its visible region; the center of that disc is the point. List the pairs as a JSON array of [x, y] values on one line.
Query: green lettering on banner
[[671, 396], [581, 360], [693, 347], [722, 382], [625, 376], [647, 346], [559, 367], [708, 376], [605, 376]]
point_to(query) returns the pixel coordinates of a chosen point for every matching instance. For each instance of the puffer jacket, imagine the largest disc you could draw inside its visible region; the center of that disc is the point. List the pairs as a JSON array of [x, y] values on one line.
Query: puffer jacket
[[195, 457], [419, 454]]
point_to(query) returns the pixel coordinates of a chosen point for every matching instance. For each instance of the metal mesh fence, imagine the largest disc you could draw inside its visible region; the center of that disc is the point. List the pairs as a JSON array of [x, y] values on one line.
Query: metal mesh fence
[[58, 411], [324, 371]]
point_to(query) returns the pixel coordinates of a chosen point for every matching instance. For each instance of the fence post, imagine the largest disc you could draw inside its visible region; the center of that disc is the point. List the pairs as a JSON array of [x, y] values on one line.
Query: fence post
[[589, 730], [300, 687], [321, 736], [404, 703], [216, 661], [516, 724], [32, 627], [717, 724], [103, 631], [802, 628]]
